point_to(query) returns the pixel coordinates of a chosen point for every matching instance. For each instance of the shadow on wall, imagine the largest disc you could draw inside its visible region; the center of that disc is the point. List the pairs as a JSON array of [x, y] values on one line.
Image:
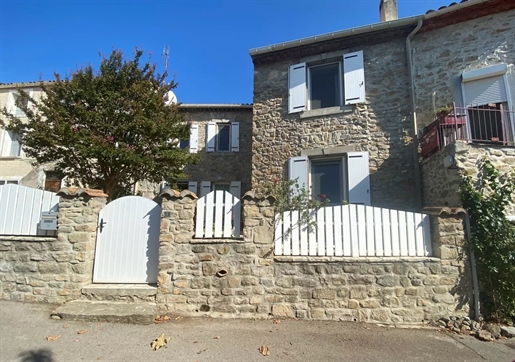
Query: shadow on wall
[[463, 289], [37, 355]]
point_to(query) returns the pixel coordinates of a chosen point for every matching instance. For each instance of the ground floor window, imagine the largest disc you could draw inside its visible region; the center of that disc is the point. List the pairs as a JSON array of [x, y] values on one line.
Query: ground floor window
[[327, 181]]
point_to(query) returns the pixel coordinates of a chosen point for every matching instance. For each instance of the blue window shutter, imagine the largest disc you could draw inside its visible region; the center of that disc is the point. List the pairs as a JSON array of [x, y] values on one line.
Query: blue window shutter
[[210, 137], [358, 172], [297, 88], [354, 78], [235, 189], [235, 136], [192, 186], [194, 138], [205, 188], [298, 170]]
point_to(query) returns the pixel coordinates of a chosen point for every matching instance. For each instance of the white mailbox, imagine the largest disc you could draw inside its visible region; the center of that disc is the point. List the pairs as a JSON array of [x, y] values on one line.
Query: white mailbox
[[48, 221]]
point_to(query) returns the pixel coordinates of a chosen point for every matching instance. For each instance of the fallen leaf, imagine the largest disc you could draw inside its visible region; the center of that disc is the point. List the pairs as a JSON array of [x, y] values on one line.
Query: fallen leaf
[[277, 321], [264, 350], [159, 342], [52, 338], [202, 350], [82, 331], [66, 326], [217, 337], [161, 319], [179, 317]]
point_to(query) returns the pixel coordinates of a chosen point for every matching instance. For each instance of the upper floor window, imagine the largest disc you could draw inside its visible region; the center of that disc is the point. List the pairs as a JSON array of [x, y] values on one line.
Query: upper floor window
[[223, 137], [327, 83], [487, 105], [15, 103]]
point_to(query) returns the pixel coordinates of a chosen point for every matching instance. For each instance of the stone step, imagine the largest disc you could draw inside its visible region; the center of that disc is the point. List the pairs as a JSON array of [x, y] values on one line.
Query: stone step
[[101, 311], [120, 292]]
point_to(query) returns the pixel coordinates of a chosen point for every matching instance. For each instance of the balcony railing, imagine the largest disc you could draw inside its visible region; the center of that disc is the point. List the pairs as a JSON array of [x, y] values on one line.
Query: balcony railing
[[488, 124]]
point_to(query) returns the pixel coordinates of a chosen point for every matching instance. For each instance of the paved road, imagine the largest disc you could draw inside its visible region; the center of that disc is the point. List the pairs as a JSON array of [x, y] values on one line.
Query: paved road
[[24, 328]]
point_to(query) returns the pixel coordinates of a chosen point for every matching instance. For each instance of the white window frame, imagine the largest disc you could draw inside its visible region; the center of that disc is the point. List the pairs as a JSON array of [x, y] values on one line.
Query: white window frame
[[351, 82], [6, 141], [10, 181], [13, 108]]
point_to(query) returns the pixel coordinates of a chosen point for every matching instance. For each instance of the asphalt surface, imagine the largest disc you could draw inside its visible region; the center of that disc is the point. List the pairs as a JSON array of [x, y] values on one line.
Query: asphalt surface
[[24, 329]]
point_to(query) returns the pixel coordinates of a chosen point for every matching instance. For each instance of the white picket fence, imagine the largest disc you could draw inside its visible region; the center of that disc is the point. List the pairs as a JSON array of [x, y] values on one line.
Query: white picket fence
[[355, 231], [21, 208], [218, 216]]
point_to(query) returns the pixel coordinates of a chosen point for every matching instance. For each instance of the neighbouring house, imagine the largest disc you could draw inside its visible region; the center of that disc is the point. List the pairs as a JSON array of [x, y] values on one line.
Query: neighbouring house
[[464, 58], [15, 167], [222, 135]]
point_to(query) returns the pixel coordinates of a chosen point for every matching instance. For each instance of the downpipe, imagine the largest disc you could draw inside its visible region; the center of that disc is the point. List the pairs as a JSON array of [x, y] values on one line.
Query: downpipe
[[473, 271]]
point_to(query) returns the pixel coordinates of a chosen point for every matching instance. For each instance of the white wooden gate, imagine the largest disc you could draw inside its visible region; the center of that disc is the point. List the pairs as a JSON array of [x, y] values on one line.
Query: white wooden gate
[[127, 249]]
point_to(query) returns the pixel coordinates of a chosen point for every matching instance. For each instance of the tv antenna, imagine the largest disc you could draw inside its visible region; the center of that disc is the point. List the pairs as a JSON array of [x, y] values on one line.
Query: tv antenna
[[166, 55]]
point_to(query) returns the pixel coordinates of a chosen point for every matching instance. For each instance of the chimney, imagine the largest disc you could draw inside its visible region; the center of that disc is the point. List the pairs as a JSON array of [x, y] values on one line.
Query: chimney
[[388, 10]]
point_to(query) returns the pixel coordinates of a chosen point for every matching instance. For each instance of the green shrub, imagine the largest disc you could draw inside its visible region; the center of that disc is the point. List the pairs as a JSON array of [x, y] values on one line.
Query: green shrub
[[486, 199]]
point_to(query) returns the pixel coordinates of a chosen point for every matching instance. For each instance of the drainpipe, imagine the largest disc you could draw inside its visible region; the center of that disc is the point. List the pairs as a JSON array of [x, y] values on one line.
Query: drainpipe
[[473, 271], [416, 165]]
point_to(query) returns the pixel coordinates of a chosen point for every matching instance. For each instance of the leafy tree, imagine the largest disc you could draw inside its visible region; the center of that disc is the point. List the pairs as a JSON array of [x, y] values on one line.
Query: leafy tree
[[106, 129], [487, 200]]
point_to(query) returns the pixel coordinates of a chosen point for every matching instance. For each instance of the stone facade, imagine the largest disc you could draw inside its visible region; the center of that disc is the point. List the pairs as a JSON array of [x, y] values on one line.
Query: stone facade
[[441, 184], [217, 167], [53, 270], [380, 126], [441, 55], [242, 278]]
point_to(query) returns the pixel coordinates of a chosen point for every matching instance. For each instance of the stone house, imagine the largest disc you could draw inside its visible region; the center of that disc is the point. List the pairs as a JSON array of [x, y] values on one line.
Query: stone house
[[221, 134], [15, 167], [341, 112]]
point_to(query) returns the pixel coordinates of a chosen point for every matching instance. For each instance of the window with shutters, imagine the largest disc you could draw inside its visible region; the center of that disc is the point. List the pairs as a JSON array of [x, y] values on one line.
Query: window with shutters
[[340, 178], [328, 82], [223, 136]]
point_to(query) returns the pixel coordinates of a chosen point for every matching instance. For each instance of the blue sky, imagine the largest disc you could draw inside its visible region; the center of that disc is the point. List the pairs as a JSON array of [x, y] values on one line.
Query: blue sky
[[208, 40]]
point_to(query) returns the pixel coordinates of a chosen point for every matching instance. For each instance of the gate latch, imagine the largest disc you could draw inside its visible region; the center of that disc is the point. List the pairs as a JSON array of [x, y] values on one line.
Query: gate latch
[[101, 224]]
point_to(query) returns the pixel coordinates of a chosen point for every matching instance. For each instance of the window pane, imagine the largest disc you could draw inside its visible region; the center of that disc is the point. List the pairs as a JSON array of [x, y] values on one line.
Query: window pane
[[184, 144], [15, 144], [325, 86], [223, 138], [326, 181], [223, 187]]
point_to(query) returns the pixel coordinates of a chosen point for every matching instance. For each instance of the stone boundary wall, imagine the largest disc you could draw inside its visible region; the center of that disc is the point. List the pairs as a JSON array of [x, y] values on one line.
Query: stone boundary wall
[[441, 185], [242, 278], [53, 270]]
